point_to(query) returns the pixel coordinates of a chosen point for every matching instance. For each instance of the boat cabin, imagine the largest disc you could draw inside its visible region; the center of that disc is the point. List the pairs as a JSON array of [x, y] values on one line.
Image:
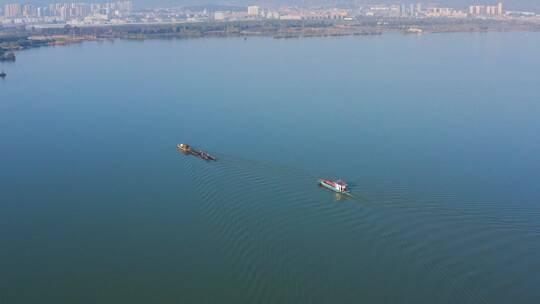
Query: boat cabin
[[184, 147], [341, 186]]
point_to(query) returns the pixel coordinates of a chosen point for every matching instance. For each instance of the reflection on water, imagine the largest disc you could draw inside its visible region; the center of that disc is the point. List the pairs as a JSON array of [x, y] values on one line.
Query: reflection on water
[[340, 197], [260, 213]]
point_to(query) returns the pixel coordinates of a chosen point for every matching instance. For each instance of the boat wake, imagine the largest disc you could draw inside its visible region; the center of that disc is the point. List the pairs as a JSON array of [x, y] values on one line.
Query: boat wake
[[274, 225]]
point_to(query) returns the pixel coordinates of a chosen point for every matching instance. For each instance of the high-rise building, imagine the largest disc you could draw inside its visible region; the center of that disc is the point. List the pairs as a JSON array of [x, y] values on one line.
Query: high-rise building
[[272, 15], [12, 10], [28, 10], [477, 10], [495, 10], [253, 10], [489, 10], [124, 6], [403, 10], [219, 16]]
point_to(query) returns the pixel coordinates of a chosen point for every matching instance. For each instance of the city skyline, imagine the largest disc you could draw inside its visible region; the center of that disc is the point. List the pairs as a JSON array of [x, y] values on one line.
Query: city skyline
[[66, 11], [123, 12], [145, 4]]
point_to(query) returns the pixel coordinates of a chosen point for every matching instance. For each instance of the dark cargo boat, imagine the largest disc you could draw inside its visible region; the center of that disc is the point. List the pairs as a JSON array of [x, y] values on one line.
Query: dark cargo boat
[[188, 150]]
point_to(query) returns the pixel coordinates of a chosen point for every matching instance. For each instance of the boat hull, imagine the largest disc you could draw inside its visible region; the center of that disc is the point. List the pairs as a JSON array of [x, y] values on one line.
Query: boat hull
[[188, 150]]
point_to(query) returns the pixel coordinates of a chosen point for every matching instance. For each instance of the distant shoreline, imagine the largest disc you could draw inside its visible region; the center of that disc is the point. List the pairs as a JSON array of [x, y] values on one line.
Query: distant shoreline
[[14, 39]]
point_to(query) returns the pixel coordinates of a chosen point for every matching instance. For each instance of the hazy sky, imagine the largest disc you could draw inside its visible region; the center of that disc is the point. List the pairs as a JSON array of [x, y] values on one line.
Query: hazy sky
[[511, 4]]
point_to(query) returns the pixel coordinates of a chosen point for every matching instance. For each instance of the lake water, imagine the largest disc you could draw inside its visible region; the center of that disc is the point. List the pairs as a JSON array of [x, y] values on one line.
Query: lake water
[[437, 134]]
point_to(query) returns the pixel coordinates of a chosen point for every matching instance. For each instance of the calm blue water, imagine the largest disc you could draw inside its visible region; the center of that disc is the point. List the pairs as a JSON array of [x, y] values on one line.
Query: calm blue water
[[438, 135]]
